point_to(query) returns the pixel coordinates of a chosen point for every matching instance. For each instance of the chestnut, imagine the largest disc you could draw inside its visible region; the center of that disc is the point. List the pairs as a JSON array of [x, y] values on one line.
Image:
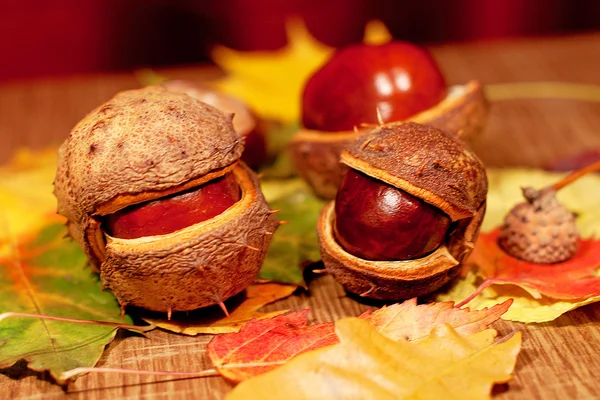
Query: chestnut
[[368, 84], [154, 192], [407, 214], [245, 122]]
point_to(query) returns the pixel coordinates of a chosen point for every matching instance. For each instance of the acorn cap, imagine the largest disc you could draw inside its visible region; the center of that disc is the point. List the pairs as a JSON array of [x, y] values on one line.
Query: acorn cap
[[138, 146], [425, 162], [315, 154]]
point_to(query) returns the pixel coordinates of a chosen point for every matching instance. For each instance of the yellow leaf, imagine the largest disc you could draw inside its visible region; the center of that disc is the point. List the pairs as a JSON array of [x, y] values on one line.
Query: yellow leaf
[[271, 82], [26, 199], [205, 322], [525, 308], [367, 365]]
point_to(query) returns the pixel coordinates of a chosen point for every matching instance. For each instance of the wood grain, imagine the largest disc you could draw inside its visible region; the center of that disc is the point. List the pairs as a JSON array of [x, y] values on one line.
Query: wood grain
[[559, 359]]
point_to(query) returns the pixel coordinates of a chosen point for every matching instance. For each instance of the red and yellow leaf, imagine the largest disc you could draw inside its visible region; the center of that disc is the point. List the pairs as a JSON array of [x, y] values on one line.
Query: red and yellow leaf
[[367, 365], [574, 279], [263, 345]]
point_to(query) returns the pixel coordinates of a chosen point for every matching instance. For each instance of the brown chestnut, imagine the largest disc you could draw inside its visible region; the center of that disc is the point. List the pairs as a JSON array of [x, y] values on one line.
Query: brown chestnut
[[376, 221], [370, 84], [437, 191], [155, 194]]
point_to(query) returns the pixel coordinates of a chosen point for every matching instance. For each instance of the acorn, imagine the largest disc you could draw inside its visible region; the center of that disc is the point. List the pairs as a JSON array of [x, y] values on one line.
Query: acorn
[[155, 194], [541, 230], [366, 85], [407, 214]]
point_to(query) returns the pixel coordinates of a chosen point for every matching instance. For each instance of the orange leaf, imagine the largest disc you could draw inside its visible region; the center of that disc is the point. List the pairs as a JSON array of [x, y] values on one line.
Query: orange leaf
[[576, 278], [265, 344], [243, 308]]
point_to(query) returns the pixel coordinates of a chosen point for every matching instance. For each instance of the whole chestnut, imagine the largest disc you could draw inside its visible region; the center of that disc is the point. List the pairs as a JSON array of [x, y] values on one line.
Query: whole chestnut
[[399, 79], [412, 203], [245, 122], [367, 84], [155, 194]]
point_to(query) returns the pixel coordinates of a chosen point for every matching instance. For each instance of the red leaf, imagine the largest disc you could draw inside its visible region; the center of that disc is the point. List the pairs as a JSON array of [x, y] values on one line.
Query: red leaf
[[262, 345], [573, 279]]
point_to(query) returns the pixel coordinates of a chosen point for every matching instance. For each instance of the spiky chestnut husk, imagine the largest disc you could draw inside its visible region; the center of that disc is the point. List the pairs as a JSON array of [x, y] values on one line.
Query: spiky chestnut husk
[[316, 154], [144, 145], [432, 166], [539, 230], [245, 122]]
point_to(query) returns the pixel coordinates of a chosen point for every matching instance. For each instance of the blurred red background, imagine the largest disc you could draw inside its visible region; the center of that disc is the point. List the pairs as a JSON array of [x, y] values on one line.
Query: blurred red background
[[44, 37]]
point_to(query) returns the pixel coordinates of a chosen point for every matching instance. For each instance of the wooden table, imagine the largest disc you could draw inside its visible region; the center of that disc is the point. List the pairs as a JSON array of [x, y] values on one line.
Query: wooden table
[[559, 359]]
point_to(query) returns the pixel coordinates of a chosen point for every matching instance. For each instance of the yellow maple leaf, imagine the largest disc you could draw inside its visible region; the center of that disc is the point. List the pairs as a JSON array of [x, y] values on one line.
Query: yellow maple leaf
[[367, 365], [271, 82], [26, 199]]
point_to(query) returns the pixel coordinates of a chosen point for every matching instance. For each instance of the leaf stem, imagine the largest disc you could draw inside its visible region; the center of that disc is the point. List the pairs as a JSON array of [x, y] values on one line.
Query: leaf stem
[[6, 315], [79, 371], [576, 175], [477, 291]]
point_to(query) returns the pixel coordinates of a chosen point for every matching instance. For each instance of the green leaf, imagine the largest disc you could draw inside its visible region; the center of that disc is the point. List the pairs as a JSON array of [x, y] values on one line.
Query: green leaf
[[46, 275], [295, 244]]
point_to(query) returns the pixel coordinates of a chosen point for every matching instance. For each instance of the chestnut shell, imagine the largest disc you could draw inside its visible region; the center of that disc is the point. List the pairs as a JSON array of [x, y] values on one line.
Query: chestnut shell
[[315, 154], [143, 145], [428, 164]]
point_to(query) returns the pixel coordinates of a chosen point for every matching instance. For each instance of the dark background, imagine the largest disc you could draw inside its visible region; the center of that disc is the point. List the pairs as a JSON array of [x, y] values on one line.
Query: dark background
[[40, 38]]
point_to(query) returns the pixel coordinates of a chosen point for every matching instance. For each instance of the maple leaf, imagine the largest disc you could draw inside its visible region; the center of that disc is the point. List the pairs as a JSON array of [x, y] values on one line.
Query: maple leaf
[[211, 321], [271, 82], [263, 345], [46, 276], [367, 365], [295, 243]]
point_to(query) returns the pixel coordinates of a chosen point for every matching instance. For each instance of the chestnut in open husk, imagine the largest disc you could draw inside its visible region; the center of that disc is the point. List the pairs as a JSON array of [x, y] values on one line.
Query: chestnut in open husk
[[397, 81], [426, 193], [130, 178]]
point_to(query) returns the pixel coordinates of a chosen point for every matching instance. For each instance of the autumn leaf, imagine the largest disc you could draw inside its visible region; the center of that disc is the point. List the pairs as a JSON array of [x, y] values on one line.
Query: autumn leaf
[[26, 200], [367, 365], [524, 307], [46, 276], [263, 345], [295, 243], [574, 279], [271, 82], [242, 308]]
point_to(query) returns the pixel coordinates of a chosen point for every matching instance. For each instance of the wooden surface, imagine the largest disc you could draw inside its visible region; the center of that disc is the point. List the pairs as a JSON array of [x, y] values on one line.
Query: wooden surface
[[559, 359]]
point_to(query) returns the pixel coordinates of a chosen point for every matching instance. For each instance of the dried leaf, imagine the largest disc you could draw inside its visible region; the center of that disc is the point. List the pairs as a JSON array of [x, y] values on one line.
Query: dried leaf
[[46, 276], [271, 82], [263, 345], [242, 308], [295, 243], [574, 279], [524, 308], [367, 365]]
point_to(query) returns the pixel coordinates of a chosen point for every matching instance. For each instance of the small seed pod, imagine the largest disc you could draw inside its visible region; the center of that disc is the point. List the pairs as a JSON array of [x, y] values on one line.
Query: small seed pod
[[154, 193], [539, 230], [425, 181]]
